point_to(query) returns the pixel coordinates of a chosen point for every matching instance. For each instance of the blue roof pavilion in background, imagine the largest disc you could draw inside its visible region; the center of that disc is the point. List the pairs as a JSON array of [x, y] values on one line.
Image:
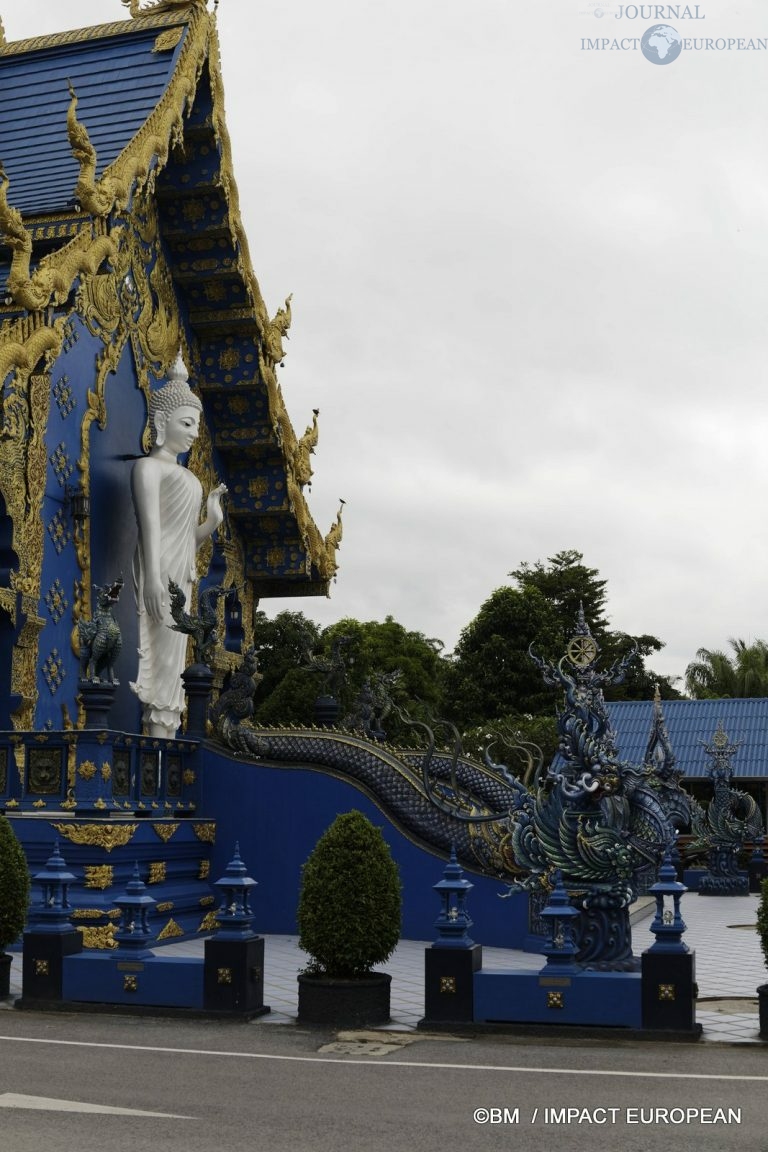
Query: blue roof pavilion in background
[[690, 724]]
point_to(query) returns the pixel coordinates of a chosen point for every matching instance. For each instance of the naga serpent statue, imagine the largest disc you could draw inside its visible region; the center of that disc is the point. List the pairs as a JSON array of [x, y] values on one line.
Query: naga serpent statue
[[730, 819], [597, 820]]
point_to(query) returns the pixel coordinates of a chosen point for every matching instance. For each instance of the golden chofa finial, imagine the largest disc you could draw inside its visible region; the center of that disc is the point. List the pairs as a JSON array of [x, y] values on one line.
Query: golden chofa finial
[[153, 7]]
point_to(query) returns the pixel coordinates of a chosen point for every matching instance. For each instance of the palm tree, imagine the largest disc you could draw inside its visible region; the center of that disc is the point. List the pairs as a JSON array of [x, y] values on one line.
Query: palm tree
[[714, 674]]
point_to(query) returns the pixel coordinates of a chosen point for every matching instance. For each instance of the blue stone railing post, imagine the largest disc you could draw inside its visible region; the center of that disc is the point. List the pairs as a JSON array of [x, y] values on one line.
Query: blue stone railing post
[[234, 956], [668, 967], [134, 934], [198, 685], [561, 917], [50, 936], [757, 865], [97, 696], [451, 962]]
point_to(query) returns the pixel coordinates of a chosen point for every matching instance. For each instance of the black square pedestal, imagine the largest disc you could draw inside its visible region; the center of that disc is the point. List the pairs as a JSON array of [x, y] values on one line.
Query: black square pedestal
[[234, 976], [669, 990], [42, 964], [448, 983]]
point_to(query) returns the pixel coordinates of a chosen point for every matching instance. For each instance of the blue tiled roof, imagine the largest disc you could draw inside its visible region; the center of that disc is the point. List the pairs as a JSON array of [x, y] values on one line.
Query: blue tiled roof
[[118, 80], [691, 721]]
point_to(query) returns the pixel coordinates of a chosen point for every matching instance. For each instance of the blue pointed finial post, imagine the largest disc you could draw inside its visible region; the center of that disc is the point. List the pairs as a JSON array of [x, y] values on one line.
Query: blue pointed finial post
[[454, 919], [562, 917], [134, 933], [51, 913], [668, 925], [235, 916]]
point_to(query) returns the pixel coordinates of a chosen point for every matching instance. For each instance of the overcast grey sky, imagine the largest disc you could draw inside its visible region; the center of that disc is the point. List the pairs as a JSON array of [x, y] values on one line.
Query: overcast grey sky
[[530, 294]]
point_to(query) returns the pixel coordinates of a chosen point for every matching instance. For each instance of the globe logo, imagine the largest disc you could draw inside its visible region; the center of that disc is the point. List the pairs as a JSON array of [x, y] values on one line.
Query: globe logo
[[661, 44]]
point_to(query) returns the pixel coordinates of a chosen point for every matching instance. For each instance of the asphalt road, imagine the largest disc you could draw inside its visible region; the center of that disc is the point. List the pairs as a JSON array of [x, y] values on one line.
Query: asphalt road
[[233, 1087]]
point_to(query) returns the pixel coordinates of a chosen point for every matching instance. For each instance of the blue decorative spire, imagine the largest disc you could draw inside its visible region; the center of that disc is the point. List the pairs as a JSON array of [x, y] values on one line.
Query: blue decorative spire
[[134, 933], [52, 913], [561, 949], [668, 925], [454, 920], [235, 916]]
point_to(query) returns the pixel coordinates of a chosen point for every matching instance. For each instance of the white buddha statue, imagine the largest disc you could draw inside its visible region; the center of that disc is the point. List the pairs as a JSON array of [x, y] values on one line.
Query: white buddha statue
[[167, 499]]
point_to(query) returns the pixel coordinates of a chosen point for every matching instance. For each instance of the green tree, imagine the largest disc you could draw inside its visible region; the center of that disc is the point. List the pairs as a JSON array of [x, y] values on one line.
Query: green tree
[[639, 682], [285, 694], [388, 647], [715, 674], [567, 584], [289, 689], [492, 675], [281, 644]]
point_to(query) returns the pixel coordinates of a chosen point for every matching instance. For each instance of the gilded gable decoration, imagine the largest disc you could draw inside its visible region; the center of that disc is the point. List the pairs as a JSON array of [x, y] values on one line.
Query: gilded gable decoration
[[152, 7], [52, 280], [96, 198], [167, 41]]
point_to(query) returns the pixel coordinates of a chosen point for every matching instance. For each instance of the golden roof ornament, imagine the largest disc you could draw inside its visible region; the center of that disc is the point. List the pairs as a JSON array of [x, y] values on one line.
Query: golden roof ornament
[[154, 7]]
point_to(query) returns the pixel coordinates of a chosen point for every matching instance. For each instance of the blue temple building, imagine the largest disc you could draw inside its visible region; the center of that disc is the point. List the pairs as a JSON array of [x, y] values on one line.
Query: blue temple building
[[121, 243]]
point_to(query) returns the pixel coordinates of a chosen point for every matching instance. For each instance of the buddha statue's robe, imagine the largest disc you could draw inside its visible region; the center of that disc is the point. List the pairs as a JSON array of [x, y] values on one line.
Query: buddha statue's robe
[[162, 651]]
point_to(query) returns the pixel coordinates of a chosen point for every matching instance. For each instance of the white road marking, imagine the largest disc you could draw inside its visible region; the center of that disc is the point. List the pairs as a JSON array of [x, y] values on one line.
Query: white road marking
[[46, 1104], [524, 1069]]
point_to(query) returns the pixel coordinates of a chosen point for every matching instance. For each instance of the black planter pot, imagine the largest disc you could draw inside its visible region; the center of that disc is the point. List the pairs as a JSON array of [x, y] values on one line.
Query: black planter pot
[[344, 1003], [762, 997], [5, 975]]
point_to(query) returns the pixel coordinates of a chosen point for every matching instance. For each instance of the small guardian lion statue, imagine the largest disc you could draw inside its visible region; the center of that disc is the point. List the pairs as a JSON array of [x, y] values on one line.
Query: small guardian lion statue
[[100, 638]]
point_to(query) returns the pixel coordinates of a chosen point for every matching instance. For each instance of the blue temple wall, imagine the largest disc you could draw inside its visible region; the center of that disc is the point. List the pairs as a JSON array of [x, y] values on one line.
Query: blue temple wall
[[57, 667], [113, 521], [278, 814]]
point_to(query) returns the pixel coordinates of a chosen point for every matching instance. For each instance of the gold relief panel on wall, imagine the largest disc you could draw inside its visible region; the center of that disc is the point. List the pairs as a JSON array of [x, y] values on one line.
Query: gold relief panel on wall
[[171, 929], [100, 938], [165, 831], [205, 832], [98, 875], [157, 873], [106, 836]]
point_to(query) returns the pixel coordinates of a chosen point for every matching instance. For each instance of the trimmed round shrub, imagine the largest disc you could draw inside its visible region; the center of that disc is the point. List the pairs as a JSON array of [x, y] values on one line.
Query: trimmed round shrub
[[349, 906], [14, 886]]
